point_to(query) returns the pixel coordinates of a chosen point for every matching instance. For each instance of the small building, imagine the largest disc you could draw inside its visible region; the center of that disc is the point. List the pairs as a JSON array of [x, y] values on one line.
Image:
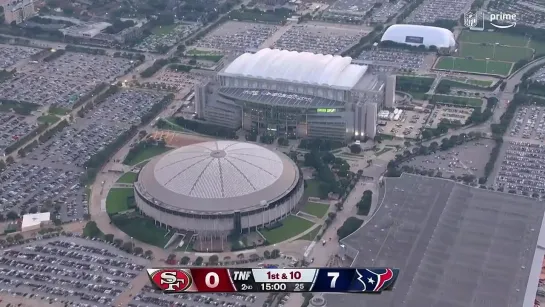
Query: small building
[[17, 10], [35, 221]]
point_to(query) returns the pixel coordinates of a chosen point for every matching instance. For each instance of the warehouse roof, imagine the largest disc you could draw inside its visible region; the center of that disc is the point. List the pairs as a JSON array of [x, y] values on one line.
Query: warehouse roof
[[455, 245], [298, 67], [35, 219]]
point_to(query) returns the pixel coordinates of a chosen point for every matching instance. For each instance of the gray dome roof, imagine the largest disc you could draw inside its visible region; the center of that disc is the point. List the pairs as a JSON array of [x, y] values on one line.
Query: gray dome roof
[[218, 176], [218, 169]]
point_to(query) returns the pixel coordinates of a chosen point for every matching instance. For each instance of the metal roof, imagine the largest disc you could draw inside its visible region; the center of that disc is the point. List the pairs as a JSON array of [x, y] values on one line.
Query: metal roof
[[218, 176], [438, 37], [35, 219], [298, 67], [456, 246]]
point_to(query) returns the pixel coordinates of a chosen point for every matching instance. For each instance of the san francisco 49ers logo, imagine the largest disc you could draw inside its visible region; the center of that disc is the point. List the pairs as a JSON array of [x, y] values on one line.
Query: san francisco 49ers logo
[[170, 280]]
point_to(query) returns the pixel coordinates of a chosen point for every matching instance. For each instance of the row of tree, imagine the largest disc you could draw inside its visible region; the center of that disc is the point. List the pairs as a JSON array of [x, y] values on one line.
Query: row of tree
[[91, 230], [54, 55], [205, 128], [320, 144], [25, 139], [80, 49], [157, 65]]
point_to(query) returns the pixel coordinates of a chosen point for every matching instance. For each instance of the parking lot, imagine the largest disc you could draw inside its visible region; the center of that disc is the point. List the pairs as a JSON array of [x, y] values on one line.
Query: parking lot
[[236, 36], [12, 128], [51, 172], [386, 11], [10, 55], [181, 81], [68, 270], [166, 38], [151, 297], [320, 38], [520, 163], [528, 124], [467, 159], [539, 76], [400, 59], [522, 169], [451, 114], [408, 126], [432, 10], [62, 80]]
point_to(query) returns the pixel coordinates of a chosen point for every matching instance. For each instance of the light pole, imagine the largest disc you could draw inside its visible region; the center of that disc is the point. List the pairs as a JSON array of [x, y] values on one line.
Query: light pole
[[486, 66], [494, 51]]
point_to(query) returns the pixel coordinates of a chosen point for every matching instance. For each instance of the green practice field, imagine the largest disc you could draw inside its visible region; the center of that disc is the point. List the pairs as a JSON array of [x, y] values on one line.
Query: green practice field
[[489, 53], [472, 65], [316, 209], [118, 200]]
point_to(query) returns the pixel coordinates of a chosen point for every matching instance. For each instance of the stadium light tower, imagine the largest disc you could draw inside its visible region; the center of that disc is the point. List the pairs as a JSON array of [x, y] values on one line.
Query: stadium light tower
[[486, 66]]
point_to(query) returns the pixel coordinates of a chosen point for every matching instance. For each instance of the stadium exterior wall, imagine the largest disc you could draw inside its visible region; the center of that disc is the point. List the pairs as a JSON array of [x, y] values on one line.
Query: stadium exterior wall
[[219, 224]]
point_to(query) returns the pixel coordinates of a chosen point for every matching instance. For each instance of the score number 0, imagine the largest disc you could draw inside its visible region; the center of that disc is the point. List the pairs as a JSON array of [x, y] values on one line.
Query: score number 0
[[334, 276], [212, 280]]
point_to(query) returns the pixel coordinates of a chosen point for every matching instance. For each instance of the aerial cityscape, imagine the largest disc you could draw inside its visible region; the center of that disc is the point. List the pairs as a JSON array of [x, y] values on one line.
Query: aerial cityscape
[[290, 134]]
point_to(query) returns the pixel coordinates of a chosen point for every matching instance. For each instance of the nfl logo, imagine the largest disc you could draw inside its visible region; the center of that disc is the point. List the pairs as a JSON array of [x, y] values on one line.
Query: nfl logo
[[470, 19]]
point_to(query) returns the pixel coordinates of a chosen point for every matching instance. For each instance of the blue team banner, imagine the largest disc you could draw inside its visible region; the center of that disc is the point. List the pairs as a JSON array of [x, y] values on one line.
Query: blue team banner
[[355, 280]]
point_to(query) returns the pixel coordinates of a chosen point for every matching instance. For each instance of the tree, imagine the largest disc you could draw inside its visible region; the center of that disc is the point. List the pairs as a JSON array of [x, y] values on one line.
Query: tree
[[267, 254], [127, 246], [9, 239], [198, 261], [138, 250], [33, 210], [349, 226], [18, 237], [12, 216], [142, 134], [118, 242], [213, 259], [275, 253], [109, 238], [171, 257], [148, 253], [9, 160], [355, 148], [91, 230], [185, 260]]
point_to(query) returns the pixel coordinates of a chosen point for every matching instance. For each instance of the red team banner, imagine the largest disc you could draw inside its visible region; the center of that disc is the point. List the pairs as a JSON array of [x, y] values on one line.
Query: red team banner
[[211, 279]]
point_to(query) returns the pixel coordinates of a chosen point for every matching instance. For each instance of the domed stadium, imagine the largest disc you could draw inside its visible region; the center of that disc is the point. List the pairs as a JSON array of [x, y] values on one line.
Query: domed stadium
[[213, 188]]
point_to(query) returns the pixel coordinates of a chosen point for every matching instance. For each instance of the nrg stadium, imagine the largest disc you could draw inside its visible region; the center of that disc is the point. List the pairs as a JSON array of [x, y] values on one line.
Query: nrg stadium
[[296, 94]]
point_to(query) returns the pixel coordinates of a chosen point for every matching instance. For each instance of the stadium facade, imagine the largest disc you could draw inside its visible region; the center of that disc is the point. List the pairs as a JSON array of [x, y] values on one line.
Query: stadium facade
[[213, 188], [416, 35], [295, 94]]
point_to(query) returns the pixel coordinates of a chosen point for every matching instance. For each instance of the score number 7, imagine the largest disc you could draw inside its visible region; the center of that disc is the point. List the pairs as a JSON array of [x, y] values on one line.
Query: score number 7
[[334, 276]]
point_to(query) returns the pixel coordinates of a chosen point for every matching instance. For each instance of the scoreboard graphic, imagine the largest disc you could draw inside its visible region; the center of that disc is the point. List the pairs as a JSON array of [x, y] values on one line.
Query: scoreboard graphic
[[348, 280]]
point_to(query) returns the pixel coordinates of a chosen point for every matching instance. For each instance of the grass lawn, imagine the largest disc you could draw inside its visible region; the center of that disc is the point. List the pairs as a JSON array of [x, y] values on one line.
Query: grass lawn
[[142, 229], [419, 96], [118, 200], [210, 57], [473, 65], [291, 227], [469, 84], [312, 188], [458, 100], [251, 15], [58, 110], [498, 53], [199, 52], [316, 209], [163, 30], [146, 154], [312, 234], [493, 37], [538, 46], [481, 83], [48, 119], [129, 177]]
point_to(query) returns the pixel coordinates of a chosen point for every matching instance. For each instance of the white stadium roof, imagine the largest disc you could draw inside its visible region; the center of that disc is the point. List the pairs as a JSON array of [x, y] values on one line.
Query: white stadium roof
[[409, 34], [298, 67], [219, 175]]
